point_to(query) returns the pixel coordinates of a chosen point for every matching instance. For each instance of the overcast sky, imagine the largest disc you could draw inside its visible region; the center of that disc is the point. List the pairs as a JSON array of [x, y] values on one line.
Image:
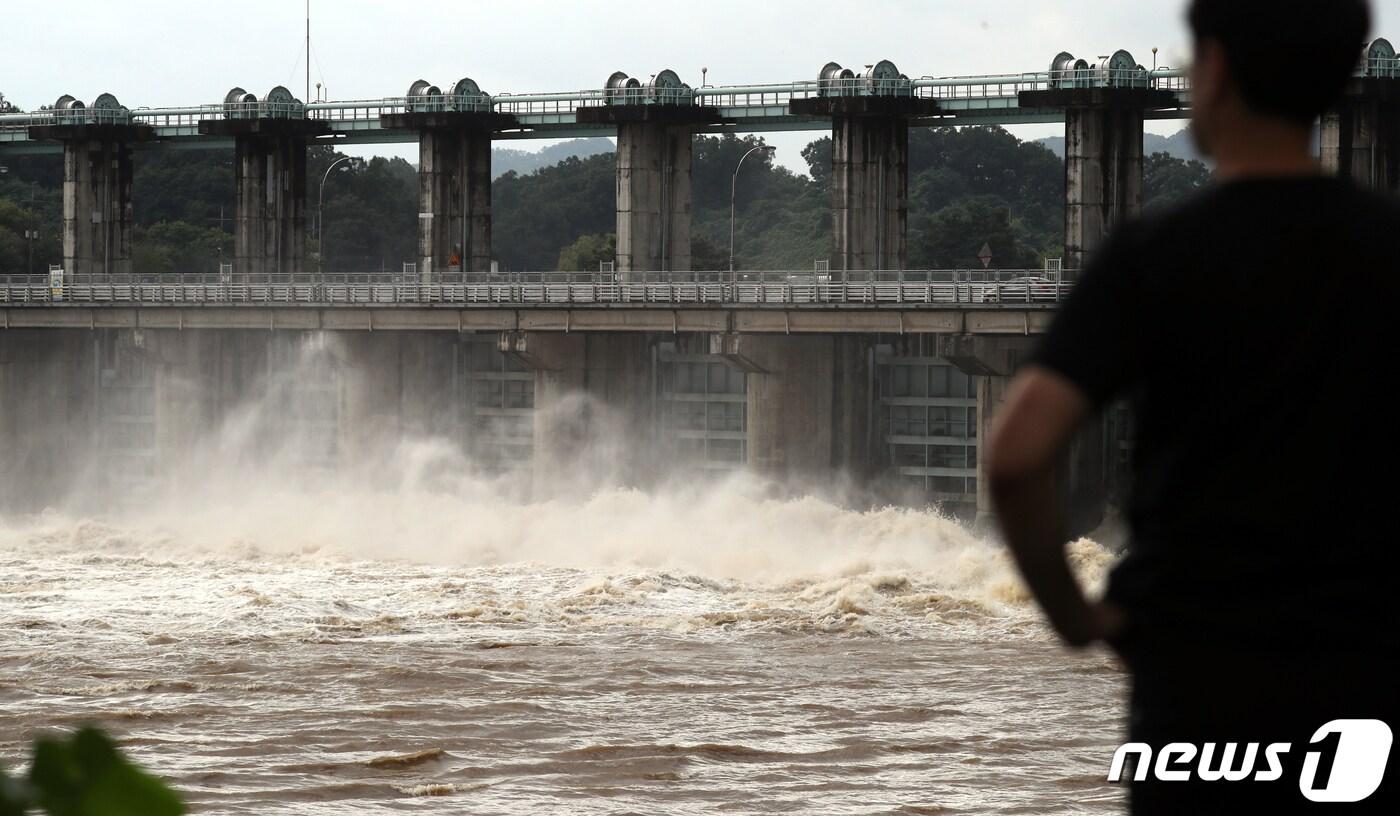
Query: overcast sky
[[179, 52]]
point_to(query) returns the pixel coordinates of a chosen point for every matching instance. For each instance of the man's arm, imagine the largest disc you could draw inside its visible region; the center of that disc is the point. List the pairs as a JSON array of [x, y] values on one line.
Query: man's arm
[[1032, 429]]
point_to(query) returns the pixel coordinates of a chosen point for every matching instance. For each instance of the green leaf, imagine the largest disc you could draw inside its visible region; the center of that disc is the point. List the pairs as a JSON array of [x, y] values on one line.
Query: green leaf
[[13, 800], [87, 776]]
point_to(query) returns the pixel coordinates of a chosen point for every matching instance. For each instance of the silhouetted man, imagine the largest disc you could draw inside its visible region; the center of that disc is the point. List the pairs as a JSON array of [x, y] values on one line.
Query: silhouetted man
[[1254, 330]]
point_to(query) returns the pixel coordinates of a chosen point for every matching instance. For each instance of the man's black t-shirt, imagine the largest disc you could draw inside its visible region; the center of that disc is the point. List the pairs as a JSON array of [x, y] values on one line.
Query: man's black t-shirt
[[1254, 331]]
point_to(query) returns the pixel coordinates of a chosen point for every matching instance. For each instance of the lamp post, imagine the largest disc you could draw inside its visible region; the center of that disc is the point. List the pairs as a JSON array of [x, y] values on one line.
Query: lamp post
[[320, 205], [733, 188]]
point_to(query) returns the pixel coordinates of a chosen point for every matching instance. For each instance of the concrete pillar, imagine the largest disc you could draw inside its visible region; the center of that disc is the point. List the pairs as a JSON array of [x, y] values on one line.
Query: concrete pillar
[[426, 360], [190, 407], [48, 379], [1082, 475], [97, 211], [594, 407], [653, 197], [653, 180], [991, 391], [1103, 158], [809, 405], [869, 192], [1360, 138], [454, 185], [869, 175], [371, 393], [454, 200], [269, 170], [1103, 175], [269, 221]]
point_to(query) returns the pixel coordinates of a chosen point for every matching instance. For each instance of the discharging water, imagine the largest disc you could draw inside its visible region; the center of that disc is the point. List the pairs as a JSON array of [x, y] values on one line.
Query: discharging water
[[401, 648]]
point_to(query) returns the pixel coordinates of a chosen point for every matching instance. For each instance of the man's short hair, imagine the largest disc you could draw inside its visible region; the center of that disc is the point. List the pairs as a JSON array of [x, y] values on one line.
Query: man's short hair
[[1289, 58]]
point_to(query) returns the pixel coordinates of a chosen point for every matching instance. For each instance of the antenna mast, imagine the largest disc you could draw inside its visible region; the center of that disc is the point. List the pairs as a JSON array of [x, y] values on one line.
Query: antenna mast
[[307, 95]]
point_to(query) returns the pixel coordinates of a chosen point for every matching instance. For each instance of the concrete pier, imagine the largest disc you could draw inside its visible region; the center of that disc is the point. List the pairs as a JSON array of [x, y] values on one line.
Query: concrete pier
[[97, 209], [454, 202], [44, 419], [869, 192], [1083, 474], [594, 406], [454, 187], [1103, 159], [809, 405], [1360, 138], [269, 170], [653, 182], [869, 176]]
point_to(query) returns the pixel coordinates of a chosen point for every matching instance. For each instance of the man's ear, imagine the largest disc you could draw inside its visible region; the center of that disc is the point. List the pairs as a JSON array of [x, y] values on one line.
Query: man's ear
[[1210, 74]]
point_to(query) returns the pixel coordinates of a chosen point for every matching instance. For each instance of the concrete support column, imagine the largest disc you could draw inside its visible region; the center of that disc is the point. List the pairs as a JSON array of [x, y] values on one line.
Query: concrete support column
[[869, 175], [1103, 175], [653, 180], [454, 185], [991, 391], [1082, 475], [454, 200], [594, 407], [269, 173], [809, 405], [653, 197], [48, 383], [97, 211], [372, 393], [190, 408], [269, 221], [426, 361], [869, 192], [1360, 138], [1103, 158]]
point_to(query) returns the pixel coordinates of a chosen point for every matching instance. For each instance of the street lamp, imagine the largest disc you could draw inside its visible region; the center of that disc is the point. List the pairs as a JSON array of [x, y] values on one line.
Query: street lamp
[[733, 188], [320, 204]]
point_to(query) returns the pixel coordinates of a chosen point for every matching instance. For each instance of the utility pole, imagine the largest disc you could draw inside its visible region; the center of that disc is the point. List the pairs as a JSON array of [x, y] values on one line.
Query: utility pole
[[307, 95], [733, 190]]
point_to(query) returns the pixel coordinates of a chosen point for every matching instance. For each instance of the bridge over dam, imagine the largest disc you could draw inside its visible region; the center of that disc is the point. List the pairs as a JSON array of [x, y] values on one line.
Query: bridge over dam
[[867, 372], [1103, 105]]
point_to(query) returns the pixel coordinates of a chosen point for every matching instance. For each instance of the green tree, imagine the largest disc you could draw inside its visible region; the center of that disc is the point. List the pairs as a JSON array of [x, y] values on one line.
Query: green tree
[[817, 154], [1167, 181], [952, 238], [587, 253], [180, 247], [781, 220], [706, 255], [535, 216]]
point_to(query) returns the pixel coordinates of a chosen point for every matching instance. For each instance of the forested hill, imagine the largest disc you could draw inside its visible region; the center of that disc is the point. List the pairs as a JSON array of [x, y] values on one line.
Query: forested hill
[[966, 187], [514, 160]]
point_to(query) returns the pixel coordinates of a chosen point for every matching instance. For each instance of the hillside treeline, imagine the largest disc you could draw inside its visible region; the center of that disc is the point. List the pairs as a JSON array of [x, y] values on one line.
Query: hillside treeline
[[967, 187]]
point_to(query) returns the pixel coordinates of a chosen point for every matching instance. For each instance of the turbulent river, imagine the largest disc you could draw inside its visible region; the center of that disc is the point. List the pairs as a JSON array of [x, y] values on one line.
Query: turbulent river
[[403, 649]]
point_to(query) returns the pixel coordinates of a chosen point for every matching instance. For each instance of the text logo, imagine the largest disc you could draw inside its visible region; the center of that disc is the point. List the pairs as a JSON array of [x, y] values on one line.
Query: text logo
[[1345, 762]]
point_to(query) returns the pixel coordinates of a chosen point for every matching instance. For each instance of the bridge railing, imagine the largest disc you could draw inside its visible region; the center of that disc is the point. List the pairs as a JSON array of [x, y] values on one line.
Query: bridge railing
[[907, 287], [591, 277], [998, 86]]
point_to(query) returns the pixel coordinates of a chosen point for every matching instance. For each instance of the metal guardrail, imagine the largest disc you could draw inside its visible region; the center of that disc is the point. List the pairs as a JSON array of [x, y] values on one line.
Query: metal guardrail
[[989, 88], [908, 288], [1002, 86]]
